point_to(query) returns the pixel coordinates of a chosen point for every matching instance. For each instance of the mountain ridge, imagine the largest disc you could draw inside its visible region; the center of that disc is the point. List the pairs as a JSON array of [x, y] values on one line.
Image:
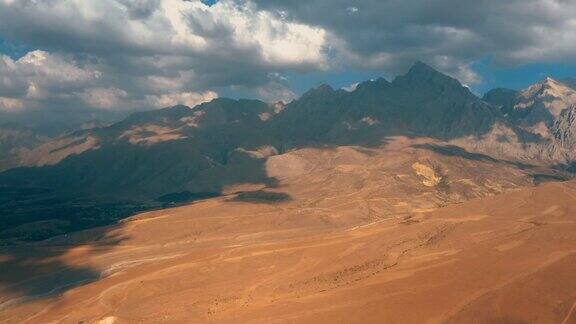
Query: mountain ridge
[[423, 102], [226, 144]]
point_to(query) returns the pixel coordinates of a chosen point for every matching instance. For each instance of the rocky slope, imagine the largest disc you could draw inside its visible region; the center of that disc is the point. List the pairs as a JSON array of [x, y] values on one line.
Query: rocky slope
[[542, 111], [152, 153]]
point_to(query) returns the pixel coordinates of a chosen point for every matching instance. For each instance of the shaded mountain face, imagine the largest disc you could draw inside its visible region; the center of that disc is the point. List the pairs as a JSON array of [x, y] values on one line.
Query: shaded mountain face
[[95, 177], [153, 153], [502, 98], [424, 102]]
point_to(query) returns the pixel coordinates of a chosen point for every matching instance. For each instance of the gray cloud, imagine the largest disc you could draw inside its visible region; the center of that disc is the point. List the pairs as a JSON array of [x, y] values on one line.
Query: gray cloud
[[450, 34]]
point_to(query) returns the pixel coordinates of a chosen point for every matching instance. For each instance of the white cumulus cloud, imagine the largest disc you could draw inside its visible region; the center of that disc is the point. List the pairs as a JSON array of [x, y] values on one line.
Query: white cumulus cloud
[[139, 54]]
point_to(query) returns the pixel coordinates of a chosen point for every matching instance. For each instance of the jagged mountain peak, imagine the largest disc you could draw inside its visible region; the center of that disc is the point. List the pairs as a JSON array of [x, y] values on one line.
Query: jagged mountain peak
[[551, 94], [547, 86], [423, 76], [424, 72], [546, 110], [420, 67]]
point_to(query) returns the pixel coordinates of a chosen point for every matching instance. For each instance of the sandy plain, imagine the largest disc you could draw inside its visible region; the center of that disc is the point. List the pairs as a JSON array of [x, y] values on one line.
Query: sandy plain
[[348, 236]]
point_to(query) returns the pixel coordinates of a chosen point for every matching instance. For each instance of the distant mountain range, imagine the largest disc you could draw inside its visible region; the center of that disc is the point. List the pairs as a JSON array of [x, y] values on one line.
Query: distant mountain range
[[216, 145]]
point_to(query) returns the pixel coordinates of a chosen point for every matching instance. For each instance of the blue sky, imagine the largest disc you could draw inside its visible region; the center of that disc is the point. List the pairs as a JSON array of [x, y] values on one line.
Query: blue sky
[[492, 76], [522, 76], [12, 49]]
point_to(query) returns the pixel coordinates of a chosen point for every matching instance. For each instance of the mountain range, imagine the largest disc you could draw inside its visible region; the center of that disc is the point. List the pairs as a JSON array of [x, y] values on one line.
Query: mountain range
[[181, 153]]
